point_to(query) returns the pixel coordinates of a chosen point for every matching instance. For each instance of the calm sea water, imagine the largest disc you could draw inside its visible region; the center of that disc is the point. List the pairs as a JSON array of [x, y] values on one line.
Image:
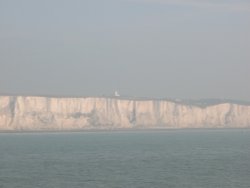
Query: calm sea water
[[174, 158]]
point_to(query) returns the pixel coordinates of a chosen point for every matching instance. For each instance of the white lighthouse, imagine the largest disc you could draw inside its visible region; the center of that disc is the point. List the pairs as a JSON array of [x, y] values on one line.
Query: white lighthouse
[[117, 94]]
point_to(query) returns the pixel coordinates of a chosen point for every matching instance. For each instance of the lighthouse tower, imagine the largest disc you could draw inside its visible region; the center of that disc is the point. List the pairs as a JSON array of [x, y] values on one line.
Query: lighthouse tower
[[117, 94]]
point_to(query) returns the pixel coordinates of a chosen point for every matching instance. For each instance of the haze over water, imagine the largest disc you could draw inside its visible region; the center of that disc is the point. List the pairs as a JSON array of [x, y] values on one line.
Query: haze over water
[[173, 158], [145, 48]]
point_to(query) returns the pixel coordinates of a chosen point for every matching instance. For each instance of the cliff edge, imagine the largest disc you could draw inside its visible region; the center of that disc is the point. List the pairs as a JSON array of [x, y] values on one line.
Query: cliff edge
[[51, 113]]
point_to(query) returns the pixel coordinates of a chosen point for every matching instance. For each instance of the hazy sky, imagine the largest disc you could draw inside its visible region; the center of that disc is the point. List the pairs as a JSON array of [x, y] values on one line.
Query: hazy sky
[[151, 48]]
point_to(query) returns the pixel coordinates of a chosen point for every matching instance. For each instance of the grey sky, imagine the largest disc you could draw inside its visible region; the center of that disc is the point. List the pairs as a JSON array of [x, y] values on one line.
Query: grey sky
[[152, 48]]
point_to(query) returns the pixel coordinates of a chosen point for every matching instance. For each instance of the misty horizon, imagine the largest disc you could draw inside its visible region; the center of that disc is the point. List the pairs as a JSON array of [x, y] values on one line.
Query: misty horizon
[[185, 101], [143, 48]]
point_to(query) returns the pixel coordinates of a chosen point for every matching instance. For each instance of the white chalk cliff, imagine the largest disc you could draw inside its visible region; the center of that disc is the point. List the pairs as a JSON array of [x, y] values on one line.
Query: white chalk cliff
[[48, 113]]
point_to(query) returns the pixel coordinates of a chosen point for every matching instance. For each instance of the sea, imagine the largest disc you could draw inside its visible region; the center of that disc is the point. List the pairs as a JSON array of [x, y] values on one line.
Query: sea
[[126, 159]]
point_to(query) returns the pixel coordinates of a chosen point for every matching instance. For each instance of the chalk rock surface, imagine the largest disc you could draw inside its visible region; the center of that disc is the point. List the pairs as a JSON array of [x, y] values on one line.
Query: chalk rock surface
[[49, 113]]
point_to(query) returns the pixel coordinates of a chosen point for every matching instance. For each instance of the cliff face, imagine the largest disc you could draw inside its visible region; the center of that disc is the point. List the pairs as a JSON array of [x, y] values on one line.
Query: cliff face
[[42, 113]]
